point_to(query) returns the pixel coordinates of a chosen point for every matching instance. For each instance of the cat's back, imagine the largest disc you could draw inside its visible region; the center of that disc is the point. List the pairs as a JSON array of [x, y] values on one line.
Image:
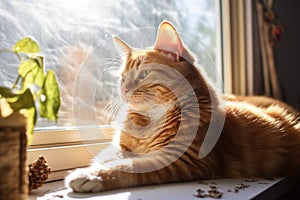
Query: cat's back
[[260, 108], [260, 129], [260, 111]]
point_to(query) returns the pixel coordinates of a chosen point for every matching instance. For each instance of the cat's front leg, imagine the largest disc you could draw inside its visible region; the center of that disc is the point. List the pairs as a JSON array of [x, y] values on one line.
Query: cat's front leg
[[134, 172], [84, 180], [98, 177]]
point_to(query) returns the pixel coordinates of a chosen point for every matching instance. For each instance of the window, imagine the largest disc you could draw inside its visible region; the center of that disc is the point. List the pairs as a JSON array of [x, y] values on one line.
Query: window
[[237, 37], [76, 39]]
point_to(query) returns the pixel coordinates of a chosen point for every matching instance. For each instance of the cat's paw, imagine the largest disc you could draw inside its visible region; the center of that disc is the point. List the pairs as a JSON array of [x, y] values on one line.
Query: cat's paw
[[82, 180]]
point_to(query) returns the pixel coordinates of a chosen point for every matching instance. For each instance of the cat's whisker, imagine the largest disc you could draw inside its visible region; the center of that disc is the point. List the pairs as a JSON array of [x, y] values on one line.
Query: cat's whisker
[[112, 108], [116, 109], [109, 107], [112, 61]]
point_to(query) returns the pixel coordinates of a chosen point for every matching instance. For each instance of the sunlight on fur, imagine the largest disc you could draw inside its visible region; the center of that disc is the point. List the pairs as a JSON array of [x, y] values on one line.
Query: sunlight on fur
[[175, 127]]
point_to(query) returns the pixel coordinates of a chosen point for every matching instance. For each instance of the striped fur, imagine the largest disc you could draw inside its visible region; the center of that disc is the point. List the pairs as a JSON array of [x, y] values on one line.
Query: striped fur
[[168, 120]]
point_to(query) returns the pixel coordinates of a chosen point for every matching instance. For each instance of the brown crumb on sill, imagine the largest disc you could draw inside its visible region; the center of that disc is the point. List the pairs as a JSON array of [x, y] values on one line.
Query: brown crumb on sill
[[238, 187], [213, 187], [58, 196], [200, 193], [213, 193], [54, 196], [251, 180], [242, 186]]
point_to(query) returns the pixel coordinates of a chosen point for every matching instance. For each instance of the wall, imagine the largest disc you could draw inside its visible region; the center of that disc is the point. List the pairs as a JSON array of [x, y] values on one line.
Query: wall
[[287, 50]]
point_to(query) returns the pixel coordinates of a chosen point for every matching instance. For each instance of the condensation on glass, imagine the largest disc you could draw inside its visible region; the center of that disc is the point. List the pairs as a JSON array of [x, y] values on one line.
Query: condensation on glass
[[76, 39]]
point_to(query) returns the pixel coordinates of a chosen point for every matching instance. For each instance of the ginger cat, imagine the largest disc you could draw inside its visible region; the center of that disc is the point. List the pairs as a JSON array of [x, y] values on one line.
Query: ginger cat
[[172, 107]]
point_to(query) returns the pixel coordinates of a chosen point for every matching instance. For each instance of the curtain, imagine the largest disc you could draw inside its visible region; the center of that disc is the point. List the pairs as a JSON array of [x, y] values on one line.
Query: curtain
[[267, 30]]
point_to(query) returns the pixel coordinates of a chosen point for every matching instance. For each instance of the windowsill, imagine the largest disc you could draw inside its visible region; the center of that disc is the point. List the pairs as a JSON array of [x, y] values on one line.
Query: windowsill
[[256, 189], [76, 146]]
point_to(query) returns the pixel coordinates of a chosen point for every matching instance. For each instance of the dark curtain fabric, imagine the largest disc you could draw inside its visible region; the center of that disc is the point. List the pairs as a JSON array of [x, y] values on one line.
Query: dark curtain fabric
[[266, 31]]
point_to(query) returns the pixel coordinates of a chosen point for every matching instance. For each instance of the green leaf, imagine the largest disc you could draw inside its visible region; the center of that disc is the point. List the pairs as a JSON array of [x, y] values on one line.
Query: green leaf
[[40, 76], [7, 92], [40, 60], [22, 101], [18, 102], [31, 121], [26, 45], [32, 72], [50, 97], [26, 66]]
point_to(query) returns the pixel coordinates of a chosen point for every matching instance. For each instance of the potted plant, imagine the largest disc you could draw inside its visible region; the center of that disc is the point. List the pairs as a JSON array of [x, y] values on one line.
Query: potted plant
[[34, 93]]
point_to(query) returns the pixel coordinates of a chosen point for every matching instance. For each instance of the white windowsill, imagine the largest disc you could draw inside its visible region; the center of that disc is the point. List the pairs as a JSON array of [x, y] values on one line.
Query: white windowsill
[[276, 187]]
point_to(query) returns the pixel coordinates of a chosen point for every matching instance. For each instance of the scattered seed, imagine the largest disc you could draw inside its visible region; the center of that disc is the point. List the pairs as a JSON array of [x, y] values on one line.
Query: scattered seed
[[200, 193], [213, 193], [59, 196], [242, 186], [251, 180], [213, 187]]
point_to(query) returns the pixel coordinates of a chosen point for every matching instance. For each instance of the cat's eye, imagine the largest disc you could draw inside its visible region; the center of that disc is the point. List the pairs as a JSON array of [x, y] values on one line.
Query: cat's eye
[[123, 79], [143, 74]]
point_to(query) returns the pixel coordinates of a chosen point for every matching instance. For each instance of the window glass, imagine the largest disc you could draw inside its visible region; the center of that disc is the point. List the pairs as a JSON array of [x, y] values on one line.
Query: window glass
[[76, 39]]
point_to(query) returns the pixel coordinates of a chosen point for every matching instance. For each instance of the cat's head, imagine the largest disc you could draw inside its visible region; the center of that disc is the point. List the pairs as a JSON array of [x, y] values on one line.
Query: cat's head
[[160, 75], [165, 94]]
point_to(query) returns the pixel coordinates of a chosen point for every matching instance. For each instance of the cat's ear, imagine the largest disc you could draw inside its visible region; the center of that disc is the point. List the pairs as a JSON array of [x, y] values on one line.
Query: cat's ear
[[168, 39], [123, 45]]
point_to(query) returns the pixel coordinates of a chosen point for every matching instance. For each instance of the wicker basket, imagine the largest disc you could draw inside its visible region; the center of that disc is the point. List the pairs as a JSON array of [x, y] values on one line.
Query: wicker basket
[[13, 173]]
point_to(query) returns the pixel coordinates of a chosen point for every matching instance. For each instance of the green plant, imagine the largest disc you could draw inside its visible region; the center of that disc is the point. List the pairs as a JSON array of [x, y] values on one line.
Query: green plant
[[34, 90]]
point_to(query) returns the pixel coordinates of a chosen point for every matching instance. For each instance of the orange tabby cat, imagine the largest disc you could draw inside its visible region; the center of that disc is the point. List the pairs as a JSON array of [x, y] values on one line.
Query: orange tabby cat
[[171, 108]]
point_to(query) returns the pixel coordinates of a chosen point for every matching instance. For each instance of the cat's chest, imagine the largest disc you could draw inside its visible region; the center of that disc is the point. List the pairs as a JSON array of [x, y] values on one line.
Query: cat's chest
[[147, 142]]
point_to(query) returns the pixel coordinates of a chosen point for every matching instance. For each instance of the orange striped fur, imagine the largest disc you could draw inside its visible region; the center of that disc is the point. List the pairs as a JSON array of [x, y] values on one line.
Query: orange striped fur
[[166, 126]]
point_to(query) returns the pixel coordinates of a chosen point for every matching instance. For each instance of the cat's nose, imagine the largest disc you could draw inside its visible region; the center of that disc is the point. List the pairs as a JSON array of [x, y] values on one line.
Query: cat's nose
[[125, 91]]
